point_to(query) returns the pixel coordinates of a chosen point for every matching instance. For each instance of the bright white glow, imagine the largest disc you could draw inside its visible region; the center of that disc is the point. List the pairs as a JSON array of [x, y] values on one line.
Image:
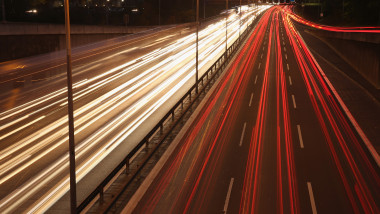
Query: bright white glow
[[147, 82]]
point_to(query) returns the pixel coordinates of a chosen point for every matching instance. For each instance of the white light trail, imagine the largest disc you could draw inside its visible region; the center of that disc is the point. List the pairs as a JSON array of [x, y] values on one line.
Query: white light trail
[[127, 107]]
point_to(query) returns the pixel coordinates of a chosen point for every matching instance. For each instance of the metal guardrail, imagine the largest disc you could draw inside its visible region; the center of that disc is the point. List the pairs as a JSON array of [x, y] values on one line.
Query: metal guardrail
[[203, 82]]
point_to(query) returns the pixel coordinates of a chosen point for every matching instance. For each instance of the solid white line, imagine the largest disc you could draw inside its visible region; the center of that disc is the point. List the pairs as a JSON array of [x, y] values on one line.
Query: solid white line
[[256, 79], [363, 136], [228, 196], [242, 134], [259, 65], [287, 65], [300, 135], [290, 81], [294, 101], [250, 101], [312, 201]]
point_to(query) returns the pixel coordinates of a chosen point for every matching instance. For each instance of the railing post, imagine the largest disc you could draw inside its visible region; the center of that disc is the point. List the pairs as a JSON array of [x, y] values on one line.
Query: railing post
[[127, 166], [101, 195]]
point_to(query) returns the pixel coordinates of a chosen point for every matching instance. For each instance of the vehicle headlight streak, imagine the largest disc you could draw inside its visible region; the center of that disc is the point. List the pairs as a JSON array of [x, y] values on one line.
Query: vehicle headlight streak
[[45, 140]]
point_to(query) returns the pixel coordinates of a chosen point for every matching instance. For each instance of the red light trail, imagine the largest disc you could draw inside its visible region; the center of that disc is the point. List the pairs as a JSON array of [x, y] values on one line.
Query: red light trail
[[288, 10], [194, 175], [308, 69]]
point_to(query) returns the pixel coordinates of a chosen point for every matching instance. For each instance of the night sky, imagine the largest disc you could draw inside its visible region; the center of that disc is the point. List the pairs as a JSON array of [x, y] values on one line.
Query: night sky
[[113, 12]]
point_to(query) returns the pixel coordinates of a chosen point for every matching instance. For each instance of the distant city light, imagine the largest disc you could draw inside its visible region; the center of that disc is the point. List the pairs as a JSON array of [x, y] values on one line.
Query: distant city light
[[31, 11]]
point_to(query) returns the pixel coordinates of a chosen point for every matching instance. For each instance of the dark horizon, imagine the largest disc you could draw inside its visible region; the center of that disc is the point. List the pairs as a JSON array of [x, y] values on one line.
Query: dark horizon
[[145, 12]]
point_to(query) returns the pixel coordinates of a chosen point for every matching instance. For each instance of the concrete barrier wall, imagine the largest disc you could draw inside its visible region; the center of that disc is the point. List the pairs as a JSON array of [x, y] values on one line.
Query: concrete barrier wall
[[361, 50], [18, 40]]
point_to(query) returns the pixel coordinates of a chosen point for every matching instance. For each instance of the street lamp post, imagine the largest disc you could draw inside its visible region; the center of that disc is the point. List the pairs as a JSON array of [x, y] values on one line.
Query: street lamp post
[[196, 63], [226, 27], [239, 19], [204, 9], [73, 194], [3, 10], [343, 9]]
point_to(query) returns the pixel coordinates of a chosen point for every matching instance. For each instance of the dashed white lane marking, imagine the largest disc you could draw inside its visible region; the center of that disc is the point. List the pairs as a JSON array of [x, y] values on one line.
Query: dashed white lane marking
[[286, 56], [294, 101], [255, 79], [290, 81], [228, 196], [242, 134], [261, 56], [312, 201], [287, 65], [285, 49], [300, 135], [250, 101], [264, 47], [259, 65]]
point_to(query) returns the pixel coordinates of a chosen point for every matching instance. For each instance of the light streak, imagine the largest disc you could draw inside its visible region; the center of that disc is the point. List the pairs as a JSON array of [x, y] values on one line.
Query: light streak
[[174, 72], [324, 105]]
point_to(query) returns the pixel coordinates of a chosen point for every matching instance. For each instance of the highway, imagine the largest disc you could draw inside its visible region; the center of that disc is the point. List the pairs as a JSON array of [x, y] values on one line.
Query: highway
[[120, 91], [273, 137]]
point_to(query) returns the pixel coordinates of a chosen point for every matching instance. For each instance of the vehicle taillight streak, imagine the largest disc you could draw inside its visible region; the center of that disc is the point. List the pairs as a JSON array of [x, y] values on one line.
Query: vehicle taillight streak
[[319, 88]]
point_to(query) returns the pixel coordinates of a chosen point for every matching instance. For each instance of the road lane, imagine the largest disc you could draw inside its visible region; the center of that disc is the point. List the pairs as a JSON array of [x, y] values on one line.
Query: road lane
[[299, 153], [216, 147], [116, 92]]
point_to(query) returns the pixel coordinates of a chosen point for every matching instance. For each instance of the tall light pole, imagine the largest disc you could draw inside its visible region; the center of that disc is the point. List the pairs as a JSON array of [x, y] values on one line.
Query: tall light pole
[[204, 9], [343, 9], [159, 12], [196, 63], [239, 19], [73, 190], [3, 11], [226, 27]]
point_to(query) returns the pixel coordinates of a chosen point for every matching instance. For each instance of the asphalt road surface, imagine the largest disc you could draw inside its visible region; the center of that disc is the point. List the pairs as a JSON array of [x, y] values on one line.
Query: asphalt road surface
[[272, 138], [121, 90]]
